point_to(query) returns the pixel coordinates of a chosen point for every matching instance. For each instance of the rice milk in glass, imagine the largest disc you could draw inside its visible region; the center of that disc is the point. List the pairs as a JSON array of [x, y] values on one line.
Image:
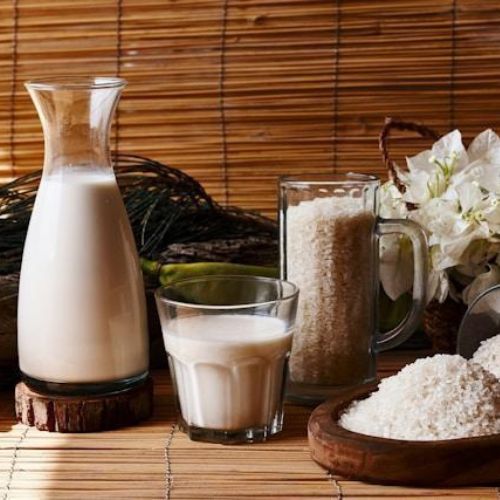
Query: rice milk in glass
[[228, 340]]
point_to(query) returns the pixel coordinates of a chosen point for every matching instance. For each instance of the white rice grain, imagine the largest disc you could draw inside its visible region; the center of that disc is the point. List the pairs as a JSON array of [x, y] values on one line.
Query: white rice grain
[[440, 397], [488, 355], [329, 252]]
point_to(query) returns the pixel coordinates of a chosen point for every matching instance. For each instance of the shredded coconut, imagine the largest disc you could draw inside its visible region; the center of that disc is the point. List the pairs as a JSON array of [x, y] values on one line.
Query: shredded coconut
[[488, 355], [440, 397], [329, 255]]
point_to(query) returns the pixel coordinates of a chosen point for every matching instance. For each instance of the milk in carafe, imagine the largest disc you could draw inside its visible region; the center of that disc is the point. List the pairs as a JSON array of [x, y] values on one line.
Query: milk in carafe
[[81, 306]]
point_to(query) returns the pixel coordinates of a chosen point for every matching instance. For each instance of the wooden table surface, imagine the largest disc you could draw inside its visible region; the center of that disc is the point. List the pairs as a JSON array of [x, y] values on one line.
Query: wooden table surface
[[156, 460]]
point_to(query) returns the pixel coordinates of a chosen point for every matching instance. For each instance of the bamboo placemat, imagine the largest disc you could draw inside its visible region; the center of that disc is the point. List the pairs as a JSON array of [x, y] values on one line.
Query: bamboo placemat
[[155, 460]]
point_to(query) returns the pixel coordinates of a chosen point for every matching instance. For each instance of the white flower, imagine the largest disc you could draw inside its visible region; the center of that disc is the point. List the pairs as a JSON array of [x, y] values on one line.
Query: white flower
[[456, 198], [484, 154], [491, 213], [430, 171], [391, 202], [449, 146], [438, 285]]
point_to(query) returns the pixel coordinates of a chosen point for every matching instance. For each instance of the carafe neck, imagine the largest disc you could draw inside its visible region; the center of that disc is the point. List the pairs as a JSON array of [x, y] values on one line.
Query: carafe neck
[[76, 116]]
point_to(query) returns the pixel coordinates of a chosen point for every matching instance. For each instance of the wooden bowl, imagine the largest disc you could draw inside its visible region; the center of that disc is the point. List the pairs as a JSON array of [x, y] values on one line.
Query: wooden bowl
[[452, 462]]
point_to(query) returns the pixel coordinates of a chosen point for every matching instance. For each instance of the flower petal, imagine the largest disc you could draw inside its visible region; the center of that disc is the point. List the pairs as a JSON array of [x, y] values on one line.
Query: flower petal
[[437, 286], [451, 144], [490, 178], [469, 195], [391, 204], [417, 187], [421, 162], [485, 147]]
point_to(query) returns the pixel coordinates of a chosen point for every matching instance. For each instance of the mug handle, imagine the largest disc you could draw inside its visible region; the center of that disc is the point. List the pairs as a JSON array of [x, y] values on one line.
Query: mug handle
[[418, 239]]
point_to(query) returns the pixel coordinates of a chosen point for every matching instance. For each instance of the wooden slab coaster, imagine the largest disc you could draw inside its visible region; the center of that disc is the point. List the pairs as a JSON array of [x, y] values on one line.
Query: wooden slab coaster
[[83, 413]]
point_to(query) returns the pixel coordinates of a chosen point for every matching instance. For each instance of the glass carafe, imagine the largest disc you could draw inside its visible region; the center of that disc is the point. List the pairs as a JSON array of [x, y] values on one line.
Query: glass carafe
[[81, 313], [329, 234]]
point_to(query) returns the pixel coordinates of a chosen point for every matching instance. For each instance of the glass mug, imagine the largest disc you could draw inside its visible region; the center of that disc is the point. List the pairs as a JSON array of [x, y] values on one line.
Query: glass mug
[[329, 234], [228, 339]]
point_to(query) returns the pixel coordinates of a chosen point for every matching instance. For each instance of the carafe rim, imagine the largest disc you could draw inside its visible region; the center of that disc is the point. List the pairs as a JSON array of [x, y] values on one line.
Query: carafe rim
[[67, 82]]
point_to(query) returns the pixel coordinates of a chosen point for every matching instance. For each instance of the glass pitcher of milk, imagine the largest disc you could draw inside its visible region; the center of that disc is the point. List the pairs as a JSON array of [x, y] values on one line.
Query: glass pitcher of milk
[[81, 314]]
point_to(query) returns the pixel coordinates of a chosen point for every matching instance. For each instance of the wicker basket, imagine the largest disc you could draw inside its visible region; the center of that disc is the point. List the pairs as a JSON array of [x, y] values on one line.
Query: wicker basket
[[441, 321]]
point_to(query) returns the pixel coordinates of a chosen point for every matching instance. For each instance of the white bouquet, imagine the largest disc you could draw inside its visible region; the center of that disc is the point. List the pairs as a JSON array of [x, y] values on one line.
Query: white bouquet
[[454, 194]]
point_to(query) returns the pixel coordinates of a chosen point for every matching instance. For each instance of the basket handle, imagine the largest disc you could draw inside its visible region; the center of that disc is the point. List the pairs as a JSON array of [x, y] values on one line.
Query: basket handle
[[391, 124]]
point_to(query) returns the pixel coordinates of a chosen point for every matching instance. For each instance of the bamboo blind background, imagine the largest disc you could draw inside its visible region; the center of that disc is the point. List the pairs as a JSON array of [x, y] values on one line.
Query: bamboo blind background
[[237, 92]]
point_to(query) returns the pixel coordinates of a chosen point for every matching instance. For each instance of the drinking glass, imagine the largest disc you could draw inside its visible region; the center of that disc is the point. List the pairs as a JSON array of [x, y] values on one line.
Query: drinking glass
[[329, 234], [228, 340]]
